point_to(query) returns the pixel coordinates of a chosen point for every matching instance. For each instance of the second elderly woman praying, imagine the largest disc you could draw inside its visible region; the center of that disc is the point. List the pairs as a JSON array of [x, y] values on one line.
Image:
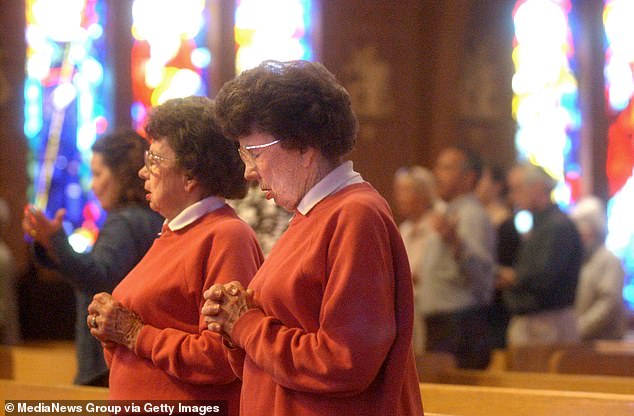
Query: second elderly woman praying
[[325, 327]]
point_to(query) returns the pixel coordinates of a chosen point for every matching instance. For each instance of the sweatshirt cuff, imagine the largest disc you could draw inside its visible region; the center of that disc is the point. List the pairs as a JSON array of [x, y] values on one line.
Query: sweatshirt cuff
[[245, 325], [145, 341]]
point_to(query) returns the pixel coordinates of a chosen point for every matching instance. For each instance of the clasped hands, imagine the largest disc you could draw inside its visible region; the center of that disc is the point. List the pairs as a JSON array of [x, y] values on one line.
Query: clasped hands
[[112, 323], [224, 304]]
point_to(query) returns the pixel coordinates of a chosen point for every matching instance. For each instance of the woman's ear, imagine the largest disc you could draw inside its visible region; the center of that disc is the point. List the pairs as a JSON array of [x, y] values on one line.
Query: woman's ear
[[190, 183], [307, 156]]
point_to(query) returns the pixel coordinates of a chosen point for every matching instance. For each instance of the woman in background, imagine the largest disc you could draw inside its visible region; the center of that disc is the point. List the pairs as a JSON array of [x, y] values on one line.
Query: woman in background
[[416, 201], [128, 232], [599, 306]]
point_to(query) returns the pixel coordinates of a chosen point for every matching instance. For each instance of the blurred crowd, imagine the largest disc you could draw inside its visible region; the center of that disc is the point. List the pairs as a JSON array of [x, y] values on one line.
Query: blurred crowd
[[485, 281]]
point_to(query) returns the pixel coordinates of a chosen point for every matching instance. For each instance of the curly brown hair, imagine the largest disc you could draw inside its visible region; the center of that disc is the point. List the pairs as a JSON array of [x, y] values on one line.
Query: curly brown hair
[[122, 153], [189, 126], [298, 102]]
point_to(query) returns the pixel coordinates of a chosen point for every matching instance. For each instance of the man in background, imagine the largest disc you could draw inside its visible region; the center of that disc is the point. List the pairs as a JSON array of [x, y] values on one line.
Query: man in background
[[539, 289], [457, 283]]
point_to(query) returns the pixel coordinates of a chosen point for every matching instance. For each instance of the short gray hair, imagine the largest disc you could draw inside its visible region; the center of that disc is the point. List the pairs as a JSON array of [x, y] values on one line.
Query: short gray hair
[[590, 211], [422, 178], [537, 174]]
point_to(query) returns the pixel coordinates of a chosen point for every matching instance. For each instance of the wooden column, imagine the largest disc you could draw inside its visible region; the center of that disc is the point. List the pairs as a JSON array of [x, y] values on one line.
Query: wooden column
[[221, 44], [119, 47], [13, 156], [588, 41]]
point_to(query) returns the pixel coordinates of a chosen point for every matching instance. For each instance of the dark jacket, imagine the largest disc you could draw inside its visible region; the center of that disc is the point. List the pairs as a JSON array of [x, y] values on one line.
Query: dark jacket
[[547, 265], [123, 240]]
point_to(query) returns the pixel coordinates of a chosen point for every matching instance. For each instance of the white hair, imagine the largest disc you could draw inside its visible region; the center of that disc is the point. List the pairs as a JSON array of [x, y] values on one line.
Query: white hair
[[590, 211], [422, 178]]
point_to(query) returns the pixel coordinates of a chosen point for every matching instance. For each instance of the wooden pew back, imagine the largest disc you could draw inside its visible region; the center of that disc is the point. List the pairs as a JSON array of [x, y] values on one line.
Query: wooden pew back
[[49, 362], [498, 401], [592, 362], [15, 390], [543, 381]]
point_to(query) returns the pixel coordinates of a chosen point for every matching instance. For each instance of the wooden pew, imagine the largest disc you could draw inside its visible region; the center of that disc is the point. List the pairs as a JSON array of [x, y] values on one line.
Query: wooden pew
[[498, 401], [6, 362], [15, 390], [543, 381], [429, 365], [548, 358], [46, 362], [537, 358], [593, 362], [611, 346]]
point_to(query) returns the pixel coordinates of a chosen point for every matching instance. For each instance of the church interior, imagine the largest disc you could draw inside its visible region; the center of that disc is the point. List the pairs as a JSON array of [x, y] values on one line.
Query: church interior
[[545, 81]]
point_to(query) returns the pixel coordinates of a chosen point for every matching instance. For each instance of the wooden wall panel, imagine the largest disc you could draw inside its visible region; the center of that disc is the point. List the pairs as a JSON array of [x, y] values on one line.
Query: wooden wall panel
[[13, 177]]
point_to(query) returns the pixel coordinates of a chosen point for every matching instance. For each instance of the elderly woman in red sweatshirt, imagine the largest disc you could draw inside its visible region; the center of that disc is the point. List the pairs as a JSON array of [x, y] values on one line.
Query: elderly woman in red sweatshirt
[[155, 339], [325, 327]]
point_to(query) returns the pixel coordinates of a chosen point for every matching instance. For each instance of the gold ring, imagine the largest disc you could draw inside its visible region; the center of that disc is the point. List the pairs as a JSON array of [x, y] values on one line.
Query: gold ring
[[33, 233], [93, 322]]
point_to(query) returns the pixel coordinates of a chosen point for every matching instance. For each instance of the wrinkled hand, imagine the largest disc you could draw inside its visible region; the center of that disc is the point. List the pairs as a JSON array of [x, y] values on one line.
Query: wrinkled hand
[[111, 323], [224, 305], [40, 228]]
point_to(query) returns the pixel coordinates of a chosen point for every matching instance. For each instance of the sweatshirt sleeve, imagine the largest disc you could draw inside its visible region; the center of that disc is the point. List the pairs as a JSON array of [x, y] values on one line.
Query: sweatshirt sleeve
[[357, 324], [112, 257], [236, 358], [200, 358]]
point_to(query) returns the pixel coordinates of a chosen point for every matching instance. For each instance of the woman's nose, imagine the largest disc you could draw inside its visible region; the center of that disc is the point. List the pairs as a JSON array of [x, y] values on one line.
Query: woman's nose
[[250, 172], [143, 172]]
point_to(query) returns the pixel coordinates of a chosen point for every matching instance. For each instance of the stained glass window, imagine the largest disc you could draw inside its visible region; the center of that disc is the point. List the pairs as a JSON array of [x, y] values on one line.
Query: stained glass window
[[170, 57], [276, 29], [66, 107], [545, 92], [618, 16]]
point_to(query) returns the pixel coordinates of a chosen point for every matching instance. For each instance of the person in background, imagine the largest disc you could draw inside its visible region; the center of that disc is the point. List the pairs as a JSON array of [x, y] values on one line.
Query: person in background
[[129, 230], [493, 193], [155, 340], [325, 326], [268, 220], [9, 320], [539, 289], [416, 199], [599, 305], [457, 286]]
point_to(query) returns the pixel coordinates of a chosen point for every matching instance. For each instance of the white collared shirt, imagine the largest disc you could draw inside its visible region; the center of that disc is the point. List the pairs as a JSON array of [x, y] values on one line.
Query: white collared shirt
[[194, 212], [340, 177]]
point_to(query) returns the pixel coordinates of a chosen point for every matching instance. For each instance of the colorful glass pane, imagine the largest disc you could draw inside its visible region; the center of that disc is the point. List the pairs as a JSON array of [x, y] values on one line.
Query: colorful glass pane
[[276, 29], [618, 16], [169, 54], [545, 102], [66, 107]]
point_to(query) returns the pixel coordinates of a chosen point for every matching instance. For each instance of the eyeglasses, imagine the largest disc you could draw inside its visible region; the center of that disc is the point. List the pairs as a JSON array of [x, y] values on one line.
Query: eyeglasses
[[248, 157], [152, 160]]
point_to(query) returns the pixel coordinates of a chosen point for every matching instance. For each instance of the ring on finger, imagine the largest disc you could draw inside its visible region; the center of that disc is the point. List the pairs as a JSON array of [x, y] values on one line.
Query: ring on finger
[[93, 322]]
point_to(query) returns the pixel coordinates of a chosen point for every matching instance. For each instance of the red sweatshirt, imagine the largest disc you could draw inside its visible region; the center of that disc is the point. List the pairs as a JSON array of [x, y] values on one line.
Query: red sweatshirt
[[176, 357], [335, 333]]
